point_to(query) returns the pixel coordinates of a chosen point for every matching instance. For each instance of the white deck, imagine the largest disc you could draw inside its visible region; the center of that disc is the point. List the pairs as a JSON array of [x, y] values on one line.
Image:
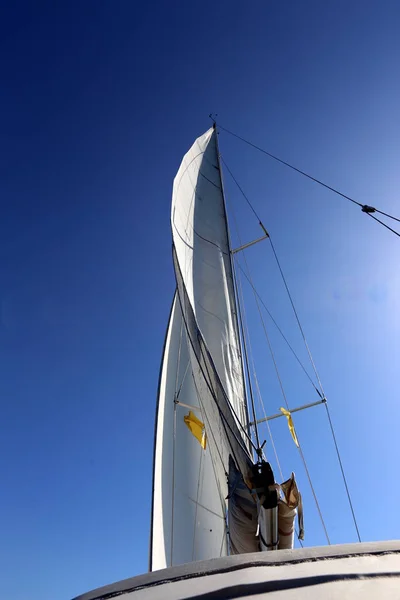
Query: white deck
[[356, 571]]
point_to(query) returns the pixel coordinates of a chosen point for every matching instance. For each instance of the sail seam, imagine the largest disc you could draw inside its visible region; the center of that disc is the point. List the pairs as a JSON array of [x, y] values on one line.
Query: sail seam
[[178, 183], [212, 512]]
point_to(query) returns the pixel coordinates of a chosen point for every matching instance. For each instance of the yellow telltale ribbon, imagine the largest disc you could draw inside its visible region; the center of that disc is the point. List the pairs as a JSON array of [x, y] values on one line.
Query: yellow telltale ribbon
[[290, 425], [197, 428]]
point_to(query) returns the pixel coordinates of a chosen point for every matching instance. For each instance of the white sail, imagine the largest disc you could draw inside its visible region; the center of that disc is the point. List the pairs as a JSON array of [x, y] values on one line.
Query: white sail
[[200, 237], [188, 514], [201, 374]]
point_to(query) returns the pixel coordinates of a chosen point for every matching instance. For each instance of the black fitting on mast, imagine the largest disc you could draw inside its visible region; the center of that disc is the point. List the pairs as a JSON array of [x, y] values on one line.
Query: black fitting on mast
[[213, 119], [264, 484]]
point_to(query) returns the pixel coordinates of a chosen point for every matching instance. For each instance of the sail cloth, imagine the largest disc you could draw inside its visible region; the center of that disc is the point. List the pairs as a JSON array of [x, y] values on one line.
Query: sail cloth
[[205, 290], [289, 506], [188, 509], [242, 515], [201, 372], [224, 435], [200, 238]]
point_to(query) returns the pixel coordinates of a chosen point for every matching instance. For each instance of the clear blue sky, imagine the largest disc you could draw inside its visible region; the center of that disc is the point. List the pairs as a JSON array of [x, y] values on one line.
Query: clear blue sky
[[99, 100]]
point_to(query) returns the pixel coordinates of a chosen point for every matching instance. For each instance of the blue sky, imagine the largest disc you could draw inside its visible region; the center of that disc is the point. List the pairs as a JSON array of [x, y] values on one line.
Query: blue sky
[[99, 100]]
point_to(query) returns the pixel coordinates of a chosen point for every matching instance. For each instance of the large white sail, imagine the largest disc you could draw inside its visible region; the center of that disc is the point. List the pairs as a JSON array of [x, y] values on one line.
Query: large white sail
[[200, 237], [201, 377], [188, 515]]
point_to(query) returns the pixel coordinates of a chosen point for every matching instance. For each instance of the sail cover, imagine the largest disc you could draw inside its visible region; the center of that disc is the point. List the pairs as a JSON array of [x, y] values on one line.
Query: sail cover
[[201, 374]]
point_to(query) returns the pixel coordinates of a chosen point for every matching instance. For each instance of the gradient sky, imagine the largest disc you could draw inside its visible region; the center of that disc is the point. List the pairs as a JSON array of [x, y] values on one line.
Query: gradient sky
[[99, 100]]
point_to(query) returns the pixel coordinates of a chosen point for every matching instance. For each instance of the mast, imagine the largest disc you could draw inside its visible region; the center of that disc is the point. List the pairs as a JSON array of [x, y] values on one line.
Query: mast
[[236, 298], [263, 474], [268, 518]]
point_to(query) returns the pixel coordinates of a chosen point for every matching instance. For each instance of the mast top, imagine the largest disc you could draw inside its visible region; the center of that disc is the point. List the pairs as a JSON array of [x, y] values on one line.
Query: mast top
[[213, 119]]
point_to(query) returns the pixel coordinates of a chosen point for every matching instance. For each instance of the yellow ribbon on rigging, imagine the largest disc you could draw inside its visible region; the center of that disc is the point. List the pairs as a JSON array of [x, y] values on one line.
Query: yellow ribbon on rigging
[[290, 425]]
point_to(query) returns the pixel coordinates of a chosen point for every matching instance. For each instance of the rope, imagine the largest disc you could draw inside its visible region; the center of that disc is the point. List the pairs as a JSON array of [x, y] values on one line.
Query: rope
[[364, 207]]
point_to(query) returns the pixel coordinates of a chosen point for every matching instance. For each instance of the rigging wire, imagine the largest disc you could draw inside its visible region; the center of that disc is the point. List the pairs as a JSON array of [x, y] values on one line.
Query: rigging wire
[[277, 371], [281, 332], [365, 208], [284, 394], [321, 392], [384, 224], [282, 275], [253, 408], [297, 318], [207, 380], [342, 470], [386, 215], [238, 316], [246, 331], [287, 406], [242, 303]]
